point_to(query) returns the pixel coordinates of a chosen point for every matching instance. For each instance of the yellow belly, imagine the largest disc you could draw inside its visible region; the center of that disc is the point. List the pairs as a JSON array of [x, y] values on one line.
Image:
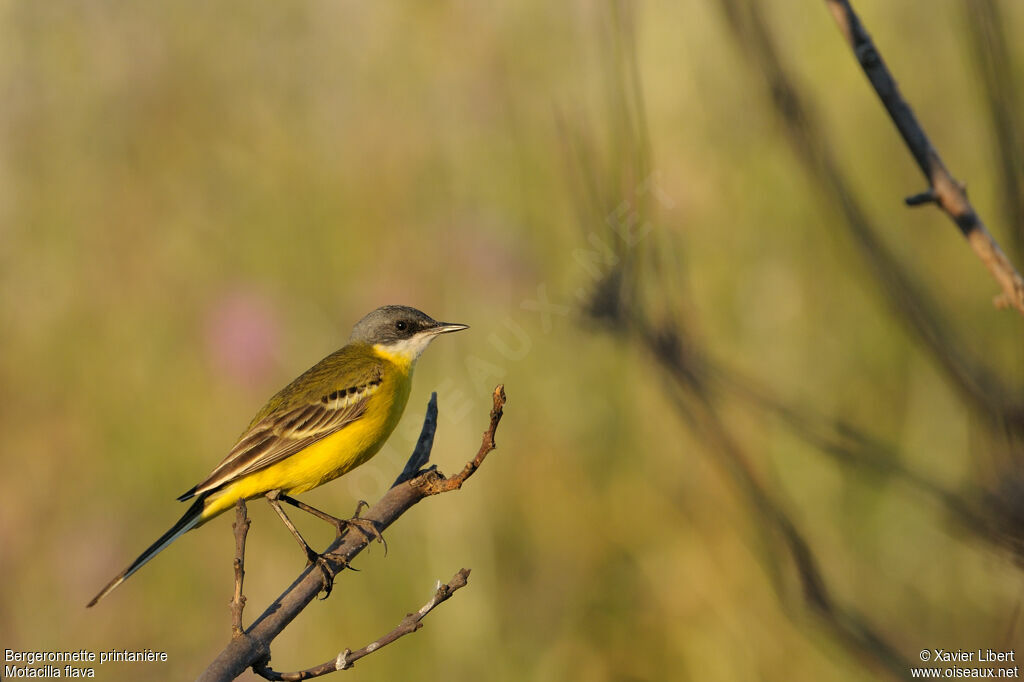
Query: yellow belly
[[330, 457]]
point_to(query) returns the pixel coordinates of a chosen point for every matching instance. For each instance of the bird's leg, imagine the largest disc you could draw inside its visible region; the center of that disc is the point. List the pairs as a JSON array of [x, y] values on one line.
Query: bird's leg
[[365, 526], [327, 573]]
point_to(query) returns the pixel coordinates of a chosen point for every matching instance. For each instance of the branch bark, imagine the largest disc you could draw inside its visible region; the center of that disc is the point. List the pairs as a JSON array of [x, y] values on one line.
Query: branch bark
[[241, 528], [944, 190], [253, 647]]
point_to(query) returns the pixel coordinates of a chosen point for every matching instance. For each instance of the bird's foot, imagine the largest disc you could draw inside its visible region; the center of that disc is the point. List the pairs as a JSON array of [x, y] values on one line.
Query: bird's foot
[[366, 527], [327, 572]]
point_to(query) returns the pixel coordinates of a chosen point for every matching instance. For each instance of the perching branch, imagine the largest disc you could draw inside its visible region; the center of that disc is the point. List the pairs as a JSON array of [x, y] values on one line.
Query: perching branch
[[943, 190], [347, 658], [253, 646]]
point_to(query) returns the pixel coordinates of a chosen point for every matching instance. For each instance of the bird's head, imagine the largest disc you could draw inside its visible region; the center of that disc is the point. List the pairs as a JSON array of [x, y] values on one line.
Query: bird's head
[[400, 331]]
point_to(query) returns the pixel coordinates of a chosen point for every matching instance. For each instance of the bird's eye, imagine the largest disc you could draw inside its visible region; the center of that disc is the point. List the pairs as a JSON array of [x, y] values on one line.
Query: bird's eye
[[400, 325]]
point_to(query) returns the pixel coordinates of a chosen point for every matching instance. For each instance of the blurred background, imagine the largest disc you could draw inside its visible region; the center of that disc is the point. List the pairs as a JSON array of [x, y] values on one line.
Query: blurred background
[[752, 433]]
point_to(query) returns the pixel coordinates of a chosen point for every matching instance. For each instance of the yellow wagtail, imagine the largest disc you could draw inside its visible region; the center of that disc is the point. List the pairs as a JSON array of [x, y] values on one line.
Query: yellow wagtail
[[331, 419]]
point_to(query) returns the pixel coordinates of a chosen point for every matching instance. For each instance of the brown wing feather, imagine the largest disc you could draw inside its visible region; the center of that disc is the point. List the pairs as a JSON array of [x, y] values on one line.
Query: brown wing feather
[[283, 433]]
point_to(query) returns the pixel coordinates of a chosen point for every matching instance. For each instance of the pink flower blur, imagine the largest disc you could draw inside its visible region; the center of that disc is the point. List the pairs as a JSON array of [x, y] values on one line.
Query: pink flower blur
[[242, 337]]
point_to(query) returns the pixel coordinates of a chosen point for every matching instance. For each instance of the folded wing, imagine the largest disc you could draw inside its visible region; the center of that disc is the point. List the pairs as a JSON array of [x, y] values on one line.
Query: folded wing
[[296, 424]]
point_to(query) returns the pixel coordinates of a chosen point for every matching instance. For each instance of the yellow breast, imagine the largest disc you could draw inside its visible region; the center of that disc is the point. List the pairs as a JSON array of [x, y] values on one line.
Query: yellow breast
[[336, 454]]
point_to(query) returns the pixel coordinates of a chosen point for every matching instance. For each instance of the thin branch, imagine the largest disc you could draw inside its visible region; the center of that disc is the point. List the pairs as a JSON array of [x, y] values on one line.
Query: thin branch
[[443, 485], [254, 645], [347, 658], [241, 528], [946, 192]]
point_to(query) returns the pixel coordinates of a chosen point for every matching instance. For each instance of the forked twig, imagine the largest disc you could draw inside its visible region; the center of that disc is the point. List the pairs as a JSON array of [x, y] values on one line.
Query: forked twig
[[347, 658], [443, 485]]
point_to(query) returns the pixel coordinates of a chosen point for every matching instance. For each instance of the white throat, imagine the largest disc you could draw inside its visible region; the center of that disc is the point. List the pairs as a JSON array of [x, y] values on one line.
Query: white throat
[[406, 349]]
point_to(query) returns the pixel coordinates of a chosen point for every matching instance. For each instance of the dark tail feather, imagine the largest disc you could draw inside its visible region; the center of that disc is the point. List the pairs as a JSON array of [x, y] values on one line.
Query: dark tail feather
[[188, 494], [186, 523]]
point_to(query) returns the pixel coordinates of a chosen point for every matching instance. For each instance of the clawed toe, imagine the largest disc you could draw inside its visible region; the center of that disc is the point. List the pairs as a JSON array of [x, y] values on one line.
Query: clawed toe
[[327, 573], [366, 527]]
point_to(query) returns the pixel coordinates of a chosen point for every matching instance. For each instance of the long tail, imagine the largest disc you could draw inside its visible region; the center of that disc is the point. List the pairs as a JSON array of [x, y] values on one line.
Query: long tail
[[186, 523]]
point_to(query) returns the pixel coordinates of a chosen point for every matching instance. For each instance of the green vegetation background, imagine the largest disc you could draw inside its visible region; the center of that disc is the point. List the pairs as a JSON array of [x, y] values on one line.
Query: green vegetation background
[[197, 200]]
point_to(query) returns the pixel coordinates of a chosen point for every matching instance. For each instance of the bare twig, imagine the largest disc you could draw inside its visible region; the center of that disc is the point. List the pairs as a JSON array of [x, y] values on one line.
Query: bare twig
[[944, 191], [241, 528], [347, 658], [443, 485], [253, 646]]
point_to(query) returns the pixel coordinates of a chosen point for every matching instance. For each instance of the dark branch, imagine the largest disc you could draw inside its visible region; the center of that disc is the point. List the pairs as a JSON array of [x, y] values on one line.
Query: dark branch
[[347, 658], [421, 453], [253, 646], [949, 194], [922, 198]]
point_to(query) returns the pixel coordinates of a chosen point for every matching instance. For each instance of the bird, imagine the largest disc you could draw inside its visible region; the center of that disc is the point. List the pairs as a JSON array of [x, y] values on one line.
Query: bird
[[334, 417]]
